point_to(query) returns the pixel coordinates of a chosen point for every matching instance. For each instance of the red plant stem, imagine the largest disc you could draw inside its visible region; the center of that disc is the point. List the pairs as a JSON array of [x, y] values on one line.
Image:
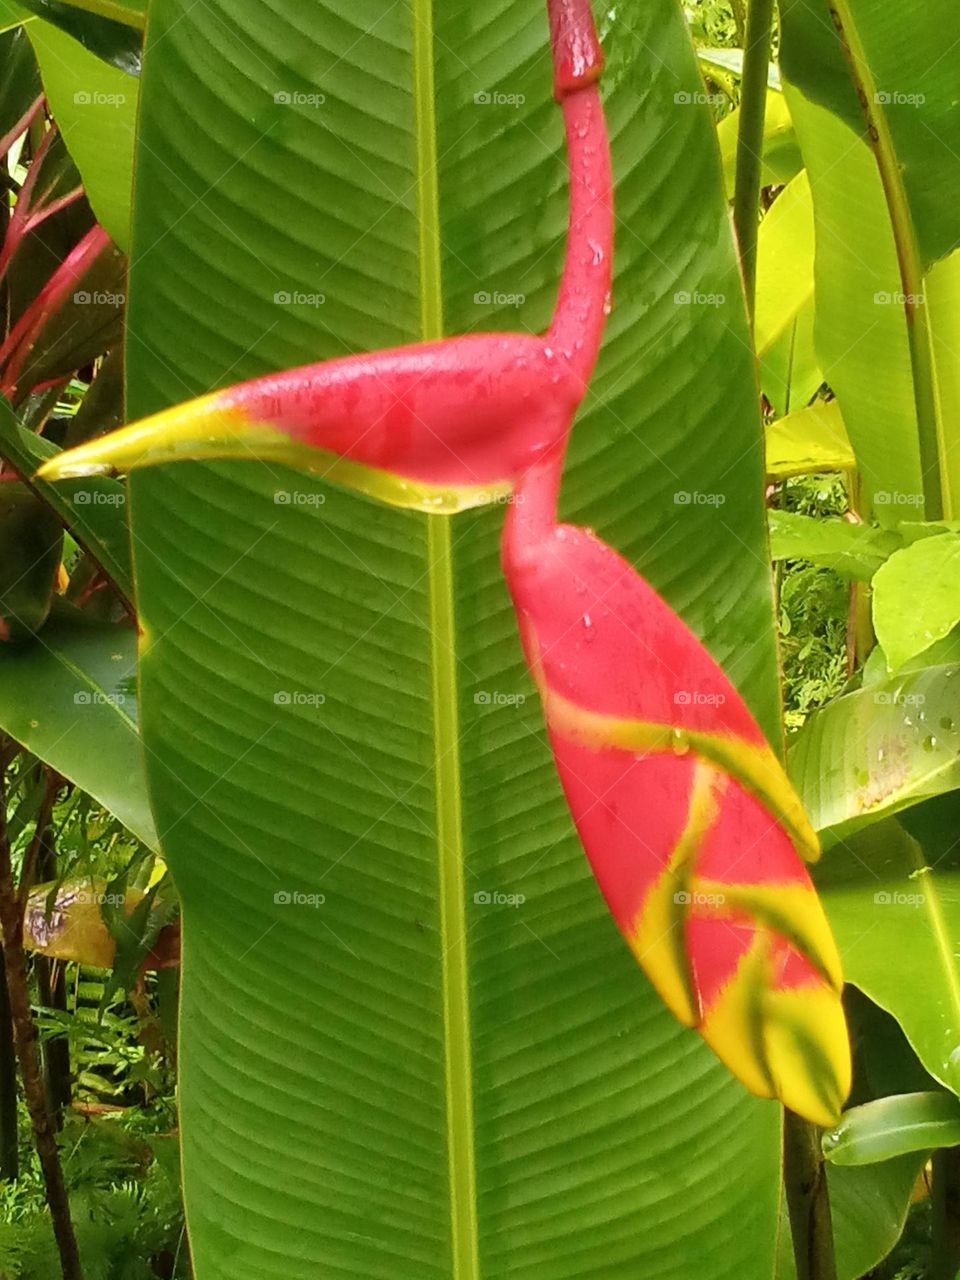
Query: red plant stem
[[584, 299], [25, 1038], [20, 341], [20, 229], [24, 123]]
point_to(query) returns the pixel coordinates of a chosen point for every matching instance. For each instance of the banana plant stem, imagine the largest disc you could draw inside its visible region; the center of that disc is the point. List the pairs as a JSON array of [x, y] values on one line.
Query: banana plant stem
[[753, 108], [805, 1180]]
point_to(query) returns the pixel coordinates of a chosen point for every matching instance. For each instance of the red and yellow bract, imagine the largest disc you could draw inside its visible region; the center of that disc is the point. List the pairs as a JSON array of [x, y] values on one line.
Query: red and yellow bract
[[692, 828]]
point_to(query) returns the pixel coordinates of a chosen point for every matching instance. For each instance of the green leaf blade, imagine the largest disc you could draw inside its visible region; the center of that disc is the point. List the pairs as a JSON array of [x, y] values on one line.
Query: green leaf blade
[[320, 1064]]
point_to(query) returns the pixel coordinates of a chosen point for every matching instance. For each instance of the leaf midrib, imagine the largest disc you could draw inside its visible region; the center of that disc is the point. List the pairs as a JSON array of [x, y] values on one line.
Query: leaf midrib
[[458, 1071]]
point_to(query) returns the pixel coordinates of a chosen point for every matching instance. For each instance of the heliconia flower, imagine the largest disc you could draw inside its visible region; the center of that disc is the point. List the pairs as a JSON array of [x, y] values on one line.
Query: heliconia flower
[[685, 812], [689, 821]]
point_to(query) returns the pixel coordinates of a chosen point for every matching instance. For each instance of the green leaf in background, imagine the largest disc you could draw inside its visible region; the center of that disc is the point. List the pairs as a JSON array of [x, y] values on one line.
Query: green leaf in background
[[95, 106], [894, 1126], [12, 15], [881, 224], [895, 911], [790, 372], [31, 550], [781, 156], [916, 597], [109, 29], [855, 550], [861, 326], [20, 82], [869, 1207], [68, 696], [94, 510], [785, 245], [340, 733], [809, 441], [878, 750], [911, 88], [731, 60]]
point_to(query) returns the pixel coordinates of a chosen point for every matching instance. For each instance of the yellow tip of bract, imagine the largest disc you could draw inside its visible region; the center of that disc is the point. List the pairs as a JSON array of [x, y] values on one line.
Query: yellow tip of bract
[[790, 1044], [206, 429]]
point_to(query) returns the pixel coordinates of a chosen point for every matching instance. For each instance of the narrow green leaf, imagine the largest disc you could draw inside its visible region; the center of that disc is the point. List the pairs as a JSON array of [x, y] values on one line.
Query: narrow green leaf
[[69, 697], [916, 597], [894, 1126]]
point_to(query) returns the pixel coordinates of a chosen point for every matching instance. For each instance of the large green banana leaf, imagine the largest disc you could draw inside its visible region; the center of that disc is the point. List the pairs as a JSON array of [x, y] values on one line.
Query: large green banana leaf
[[885, 313], [413, 1044]]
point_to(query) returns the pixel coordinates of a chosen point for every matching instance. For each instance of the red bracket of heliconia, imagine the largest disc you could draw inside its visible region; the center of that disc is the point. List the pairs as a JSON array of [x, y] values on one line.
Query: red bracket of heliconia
[[692, 828]]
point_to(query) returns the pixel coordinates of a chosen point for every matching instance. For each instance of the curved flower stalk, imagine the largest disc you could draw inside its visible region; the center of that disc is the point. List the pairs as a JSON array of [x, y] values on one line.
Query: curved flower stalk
[[686, 815]]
